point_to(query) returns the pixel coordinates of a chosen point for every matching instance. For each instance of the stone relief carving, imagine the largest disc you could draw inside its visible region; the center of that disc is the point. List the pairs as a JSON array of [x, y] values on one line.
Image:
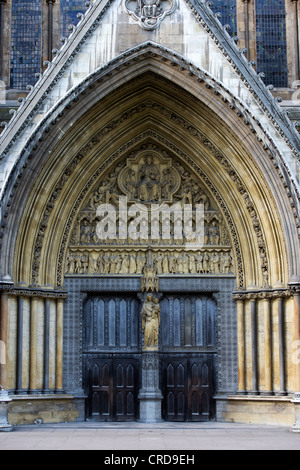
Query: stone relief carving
[[166, 261], [149, 13], [150, 176]]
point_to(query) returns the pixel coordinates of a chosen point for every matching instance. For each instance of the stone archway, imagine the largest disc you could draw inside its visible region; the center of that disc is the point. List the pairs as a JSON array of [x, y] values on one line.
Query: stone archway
[[107, 117]]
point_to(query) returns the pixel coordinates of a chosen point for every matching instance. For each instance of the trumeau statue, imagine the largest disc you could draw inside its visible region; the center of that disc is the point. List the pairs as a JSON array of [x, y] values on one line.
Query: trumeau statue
[[149, 13], [150, 322]]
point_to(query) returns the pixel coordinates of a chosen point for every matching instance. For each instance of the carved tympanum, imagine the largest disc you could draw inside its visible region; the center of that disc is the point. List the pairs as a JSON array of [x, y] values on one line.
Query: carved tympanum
[[147, 178]]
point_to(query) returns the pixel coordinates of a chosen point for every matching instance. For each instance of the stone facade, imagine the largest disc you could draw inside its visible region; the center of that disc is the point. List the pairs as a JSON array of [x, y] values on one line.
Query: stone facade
[[162, 79]]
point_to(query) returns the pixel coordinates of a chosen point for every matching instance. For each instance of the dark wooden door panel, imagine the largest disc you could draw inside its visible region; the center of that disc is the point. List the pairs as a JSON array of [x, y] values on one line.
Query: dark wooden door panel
[[187, 388], [112, 388]]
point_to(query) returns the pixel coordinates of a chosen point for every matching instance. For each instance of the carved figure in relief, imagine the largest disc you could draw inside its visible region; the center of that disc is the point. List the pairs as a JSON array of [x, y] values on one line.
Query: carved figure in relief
[[92, 265], [130, 182], [158, 263], [149, 13], [192, 264], [200, 197], [205, 263], [226, 262], [100, 264], [106, 263], [149, 8], [199, 263], [173, 264], [214, 233], [148, 177], [166, 264], [125, 265], [141, 261], [167, 182], [215, 260], [85, 232], [132, 264], [150, 322]]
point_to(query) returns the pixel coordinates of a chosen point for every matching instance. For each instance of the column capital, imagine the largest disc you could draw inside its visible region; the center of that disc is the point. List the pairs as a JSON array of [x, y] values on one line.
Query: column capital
[[48, 1]]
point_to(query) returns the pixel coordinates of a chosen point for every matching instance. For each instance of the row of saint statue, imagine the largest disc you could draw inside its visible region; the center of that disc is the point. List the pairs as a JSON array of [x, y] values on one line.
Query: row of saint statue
[[164, 262]]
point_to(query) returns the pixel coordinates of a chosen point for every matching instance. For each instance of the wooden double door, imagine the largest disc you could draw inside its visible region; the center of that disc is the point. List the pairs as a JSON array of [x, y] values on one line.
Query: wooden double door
[[112, 385], [187, 387], [112, 352]]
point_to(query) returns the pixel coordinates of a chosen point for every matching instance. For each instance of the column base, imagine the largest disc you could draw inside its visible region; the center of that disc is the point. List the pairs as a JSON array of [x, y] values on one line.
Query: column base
[[296, 401], [150, 406], [4, 400], [150, 396]]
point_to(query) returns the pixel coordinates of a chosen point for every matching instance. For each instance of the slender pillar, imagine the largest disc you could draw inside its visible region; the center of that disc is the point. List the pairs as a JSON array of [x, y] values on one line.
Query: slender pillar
[[33, 345], [50, 28], [3, 340], [59, 346], [241, 345], [20, 345], [281, 345], [2, 4], [266, 308], [46, 346], [296, 340], [254, 346], [246, 26], [292, 32]]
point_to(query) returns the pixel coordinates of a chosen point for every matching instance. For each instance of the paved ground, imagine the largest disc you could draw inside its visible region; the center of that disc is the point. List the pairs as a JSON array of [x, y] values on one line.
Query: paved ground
[[159, 437]]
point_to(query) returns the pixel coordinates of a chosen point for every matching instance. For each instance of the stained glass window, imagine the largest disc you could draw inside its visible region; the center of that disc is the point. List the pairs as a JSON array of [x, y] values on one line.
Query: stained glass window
[[68, 14], [228, 10], [25, 42], [271, 41]]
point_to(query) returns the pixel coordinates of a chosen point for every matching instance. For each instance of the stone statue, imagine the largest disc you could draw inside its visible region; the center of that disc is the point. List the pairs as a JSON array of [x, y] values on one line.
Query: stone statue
[[150, 322], [148, 176], [214, 234]]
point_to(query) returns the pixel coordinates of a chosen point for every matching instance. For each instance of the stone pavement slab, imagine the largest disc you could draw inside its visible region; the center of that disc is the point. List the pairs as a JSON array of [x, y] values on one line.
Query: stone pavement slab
[[162, 437]]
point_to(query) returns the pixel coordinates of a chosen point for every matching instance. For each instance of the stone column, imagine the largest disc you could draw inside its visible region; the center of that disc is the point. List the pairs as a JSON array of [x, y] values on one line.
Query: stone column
[[292, 36], [59, 345], [254, 345], [5, 40], [266, 312], [2, 3], [50, 28], [3, 339], [150, 396], [295, 285], [246, 26], [241, 343], [33, 345], [46, 346], [19, 389]]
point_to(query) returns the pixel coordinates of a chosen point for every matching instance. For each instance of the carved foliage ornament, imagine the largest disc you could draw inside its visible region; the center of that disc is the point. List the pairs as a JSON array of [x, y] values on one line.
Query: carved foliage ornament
[[149, 13]]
